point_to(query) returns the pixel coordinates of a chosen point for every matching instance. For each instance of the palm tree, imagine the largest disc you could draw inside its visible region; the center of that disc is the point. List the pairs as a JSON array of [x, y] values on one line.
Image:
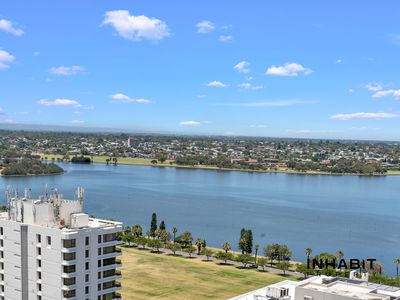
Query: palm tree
[[226, 246], [339, 255], [256, 247], [200, 243], [397, 262], [174, 231], [308, 252]]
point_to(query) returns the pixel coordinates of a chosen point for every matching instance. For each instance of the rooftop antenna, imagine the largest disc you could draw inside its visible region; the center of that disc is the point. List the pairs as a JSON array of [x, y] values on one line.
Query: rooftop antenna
[[79, 193]]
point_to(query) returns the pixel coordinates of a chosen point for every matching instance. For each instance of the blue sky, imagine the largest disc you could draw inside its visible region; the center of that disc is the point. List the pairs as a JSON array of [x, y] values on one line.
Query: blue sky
[[314, 69]]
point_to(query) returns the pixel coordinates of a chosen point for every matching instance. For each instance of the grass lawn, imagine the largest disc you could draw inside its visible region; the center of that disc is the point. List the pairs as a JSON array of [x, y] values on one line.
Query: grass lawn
[[159, 276], [393, 172]]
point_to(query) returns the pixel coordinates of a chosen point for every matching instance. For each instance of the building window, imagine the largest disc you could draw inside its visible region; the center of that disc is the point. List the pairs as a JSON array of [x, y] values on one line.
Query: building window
[[308, 298], [87, 241], [87, 277], [86, 253], [69, 281], [38, 238], [99, 263], [39, 263], [1, 230], [99, 239], [99, 287], [87, 266], [39, 287], [99, 251], [69, 269], [69, 256], [109, 237], [99, 275], [86, 290], [48, 240], [39, 251], [39, 297], [70, 243], [39, 275]]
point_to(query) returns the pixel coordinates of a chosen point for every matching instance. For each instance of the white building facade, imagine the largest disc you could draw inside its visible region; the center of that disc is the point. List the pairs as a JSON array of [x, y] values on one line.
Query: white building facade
[[51, 250]]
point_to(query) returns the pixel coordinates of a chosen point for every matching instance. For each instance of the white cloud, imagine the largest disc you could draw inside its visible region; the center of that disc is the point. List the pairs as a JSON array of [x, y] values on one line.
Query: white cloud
[[201, 96], [5, 59], [59, 102], [217, 83], [8, 121], [73, 70], [121, 98], [258, 126], [351, 91], [136, 28], [365, 116], [225, 38], [384, 93], [289, 70], [373, 86], [77, 122], [242, 67], [249, 86], [36, 53], [9, 27], [339, 61], [22, 113], [190, 123], [205, 26]]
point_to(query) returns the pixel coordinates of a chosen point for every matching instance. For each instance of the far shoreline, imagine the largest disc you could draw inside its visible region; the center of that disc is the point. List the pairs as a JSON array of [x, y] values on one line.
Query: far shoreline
[[147, 162]]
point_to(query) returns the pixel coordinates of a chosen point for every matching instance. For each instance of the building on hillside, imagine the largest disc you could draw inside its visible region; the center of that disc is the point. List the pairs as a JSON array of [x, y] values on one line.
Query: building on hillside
[[324, 288], [51, 250]]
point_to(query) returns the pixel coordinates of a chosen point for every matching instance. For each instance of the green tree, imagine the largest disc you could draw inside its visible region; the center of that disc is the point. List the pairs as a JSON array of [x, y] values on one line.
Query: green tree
[[162, 225], [284, 266], [397, 263], [185, 239], [207, 252], [174, 231], [262, 262], [128, 238], [244, 259], [174, 247], [155, 244], [137, 230], [164, 236], [153, 225], [190, 250], [226, 247], [308, 253], [141, 241], [302, 268], [246, 241], [200, 243], [225, 256]]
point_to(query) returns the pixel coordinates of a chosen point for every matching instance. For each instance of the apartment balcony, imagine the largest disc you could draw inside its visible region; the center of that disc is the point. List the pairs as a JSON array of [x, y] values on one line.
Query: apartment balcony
[[113, 276], [116, 253], [68, 287], [110, 243], [68, 262], [68, 250], [117, 296], [68, 275], [116, 287]]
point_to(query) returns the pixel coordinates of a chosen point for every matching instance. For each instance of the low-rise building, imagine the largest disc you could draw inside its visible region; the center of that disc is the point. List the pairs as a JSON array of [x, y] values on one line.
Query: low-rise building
[[324, 288]]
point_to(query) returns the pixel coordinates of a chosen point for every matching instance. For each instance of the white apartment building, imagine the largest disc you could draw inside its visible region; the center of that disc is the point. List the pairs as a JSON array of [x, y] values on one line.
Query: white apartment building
[[324, 288], [51, 250]]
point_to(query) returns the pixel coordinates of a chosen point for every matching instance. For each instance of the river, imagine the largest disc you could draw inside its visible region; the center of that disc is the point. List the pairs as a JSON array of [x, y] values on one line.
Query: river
[[358, 215]]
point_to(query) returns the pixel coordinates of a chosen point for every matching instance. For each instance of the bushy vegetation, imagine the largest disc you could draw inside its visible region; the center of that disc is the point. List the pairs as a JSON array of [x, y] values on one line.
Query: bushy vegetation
[[81, 160], [30, 167]]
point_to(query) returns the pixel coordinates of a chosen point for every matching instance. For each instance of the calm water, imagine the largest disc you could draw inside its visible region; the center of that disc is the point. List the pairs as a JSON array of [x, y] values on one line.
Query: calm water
[[358, 215]]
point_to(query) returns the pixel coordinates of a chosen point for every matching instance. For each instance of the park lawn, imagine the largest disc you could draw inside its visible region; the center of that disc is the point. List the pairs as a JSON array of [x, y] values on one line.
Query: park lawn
[[393, 172], [147, 275]]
